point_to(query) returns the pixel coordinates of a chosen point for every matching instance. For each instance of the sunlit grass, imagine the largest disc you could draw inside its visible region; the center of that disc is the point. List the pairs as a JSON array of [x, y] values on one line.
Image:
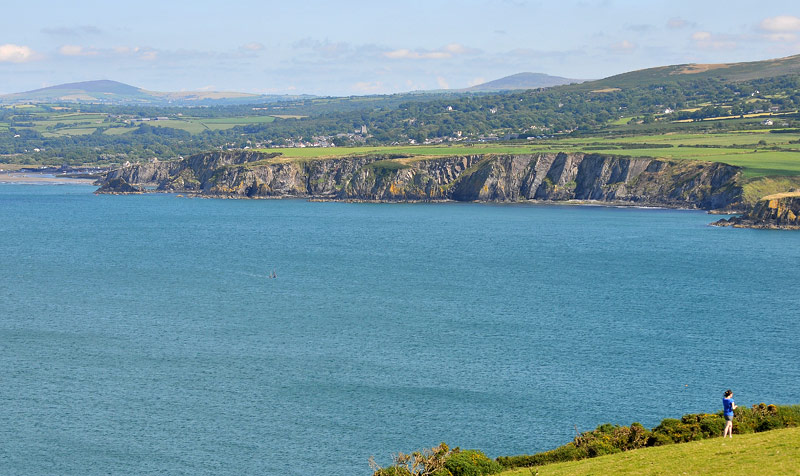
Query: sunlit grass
[[775, 452]]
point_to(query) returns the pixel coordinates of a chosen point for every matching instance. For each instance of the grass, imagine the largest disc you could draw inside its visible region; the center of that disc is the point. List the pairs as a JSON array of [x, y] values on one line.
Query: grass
[[116, 131], [776, 156], [424, 151], [730, 148], [77, 131], [66, 123], [754, 190], [775, 452], [782, 195]]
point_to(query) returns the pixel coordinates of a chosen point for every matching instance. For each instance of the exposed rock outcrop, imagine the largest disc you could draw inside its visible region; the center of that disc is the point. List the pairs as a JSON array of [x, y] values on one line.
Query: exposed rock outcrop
[[119, 186], [781, 211], [500, 178]]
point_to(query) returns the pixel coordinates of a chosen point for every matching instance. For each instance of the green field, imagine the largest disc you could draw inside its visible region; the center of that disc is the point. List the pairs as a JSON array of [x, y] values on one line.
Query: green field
[[65, 123], [71, 131], [775, 452], [775, 156], [195, 125], [409, 151]]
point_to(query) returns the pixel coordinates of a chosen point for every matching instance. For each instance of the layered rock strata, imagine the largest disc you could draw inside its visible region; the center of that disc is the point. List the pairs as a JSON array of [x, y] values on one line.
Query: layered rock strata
[[781, 211], [497, 178]]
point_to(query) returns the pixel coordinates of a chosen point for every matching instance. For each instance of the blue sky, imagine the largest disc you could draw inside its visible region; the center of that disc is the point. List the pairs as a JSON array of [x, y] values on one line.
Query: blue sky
[[363, 47]]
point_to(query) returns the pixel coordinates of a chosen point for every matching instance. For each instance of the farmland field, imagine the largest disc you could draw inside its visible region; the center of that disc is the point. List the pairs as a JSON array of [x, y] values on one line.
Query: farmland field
[[774, 156], [65, 123]]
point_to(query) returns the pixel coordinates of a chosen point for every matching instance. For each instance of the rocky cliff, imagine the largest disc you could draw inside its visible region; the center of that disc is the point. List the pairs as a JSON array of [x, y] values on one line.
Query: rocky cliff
[[502, 178], [780, 211]]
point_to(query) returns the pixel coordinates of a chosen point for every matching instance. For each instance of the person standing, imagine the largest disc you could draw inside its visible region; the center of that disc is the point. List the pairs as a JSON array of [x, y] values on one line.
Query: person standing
[[727, 411]]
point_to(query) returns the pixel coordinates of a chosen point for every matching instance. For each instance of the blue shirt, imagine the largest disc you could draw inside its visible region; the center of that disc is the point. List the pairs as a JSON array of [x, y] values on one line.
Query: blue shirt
[[727, 406]]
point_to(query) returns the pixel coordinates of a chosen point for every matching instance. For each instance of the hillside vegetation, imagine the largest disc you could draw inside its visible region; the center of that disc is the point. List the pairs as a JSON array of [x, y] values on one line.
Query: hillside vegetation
[[772, 453], [743, 114], [625, 449]]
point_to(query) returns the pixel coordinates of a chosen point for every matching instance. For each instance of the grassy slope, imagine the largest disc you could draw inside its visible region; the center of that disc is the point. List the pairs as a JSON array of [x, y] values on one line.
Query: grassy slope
[[734, 148], [774, 452], [728, 72]]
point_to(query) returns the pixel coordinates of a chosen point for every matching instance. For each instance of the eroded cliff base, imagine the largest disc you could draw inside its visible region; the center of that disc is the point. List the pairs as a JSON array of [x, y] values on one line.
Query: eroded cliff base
[[561, 177], [775, 212]]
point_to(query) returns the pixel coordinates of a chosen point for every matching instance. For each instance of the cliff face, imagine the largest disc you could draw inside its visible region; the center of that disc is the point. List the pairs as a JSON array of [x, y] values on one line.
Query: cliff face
[[781, 211], [502, 178]]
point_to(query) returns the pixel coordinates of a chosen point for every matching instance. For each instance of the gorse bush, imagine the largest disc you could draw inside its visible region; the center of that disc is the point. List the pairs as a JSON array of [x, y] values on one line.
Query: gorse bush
[[471, 463], [439, 461], [609, 439], [605, 439]]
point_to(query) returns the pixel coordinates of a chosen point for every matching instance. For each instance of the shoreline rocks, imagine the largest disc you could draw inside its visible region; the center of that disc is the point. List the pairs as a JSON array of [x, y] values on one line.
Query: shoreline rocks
[[773, 212], [119, 186], [510, 178]]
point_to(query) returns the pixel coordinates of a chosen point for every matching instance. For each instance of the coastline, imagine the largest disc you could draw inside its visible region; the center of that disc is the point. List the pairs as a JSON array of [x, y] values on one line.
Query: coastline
[[32, 178], [534, 202]]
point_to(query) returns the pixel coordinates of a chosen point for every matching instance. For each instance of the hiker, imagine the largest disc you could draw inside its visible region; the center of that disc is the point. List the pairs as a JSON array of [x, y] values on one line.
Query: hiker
[[727, 411]]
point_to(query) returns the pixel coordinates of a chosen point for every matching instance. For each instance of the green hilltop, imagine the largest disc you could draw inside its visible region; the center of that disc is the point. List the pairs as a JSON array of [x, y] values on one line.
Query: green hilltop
[[747, 71]]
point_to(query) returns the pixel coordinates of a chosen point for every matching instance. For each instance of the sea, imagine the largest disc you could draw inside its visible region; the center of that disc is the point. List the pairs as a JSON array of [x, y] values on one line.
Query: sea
[[147, 335]]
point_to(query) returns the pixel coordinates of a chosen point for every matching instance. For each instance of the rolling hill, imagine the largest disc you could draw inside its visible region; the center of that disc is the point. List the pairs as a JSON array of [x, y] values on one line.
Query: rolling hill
[[114, 92], [522, 81], [723, 71]]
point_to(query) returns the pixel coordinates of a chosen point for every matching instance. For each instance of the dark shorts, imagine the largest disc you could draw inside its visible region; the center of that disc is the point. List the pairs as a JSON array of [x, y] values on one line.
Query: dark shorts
[[728, 417]]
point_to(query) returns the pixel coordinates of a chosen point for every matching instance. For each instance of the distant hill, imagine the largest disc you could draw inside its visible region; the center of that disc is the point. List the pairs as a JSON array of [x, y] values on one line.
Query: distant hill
[[522, 81], [681, 72], [114, 92]]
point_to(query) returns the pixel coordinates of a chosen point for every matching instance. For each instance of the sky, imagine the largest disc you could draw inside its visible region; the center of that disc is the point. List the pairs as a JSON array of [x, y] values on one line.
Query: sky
[[354, 47]]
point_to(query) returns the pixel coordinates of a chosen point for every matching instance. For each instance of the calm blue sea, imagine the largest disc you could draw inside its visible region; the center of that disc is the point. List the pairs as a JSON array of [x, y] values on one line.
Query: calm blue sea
[[142, 335]]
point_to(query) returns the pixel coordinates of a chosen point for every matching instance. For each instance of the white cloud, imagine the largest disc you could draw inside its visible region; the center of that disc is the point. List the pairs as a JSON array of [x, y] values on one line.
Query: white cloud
[[327, 48], [72, 31], [476, 81], [623, 46], [75, 50], [676, 23], [148, 55], [253, 46], [367, 87], [448, 51], [10, 53], [705, 40], [781, 24], [782, 37], [122, 51], [443, 84]]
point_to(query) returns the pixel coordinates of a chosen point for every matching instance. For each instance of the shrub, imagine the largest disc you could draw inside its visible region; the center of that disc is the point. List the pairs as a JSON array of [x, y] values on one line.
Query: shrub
[[427, 462], [660, 439], [608, 438], [471, 463], [678, 430], [711, 425], [392, 471]]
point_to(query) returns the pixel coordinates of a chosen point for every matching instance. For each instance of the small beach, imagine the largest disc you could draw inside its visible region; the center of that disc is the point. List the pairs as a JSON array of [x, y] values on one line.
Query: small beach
[[33, 178]]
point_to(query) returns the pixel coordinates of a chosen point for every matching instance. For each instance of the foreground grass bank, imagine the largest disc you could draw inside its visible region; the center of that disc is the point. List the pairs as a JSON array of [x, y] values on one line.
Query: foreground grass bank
[[775, 452], [608, 442]]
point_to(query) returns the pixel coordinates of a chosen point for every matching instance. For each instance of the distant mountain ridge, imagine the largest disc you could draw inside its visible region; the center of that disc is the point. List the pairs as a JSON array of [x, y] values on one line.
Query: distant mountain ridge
[[101, 86], [522, 81], [113, 92]]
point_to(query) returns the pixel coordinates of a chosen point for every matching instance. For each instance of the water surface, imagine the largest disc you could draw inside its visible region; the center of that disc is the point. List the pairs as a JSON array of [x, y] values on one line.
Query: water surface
[[142, 335]]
